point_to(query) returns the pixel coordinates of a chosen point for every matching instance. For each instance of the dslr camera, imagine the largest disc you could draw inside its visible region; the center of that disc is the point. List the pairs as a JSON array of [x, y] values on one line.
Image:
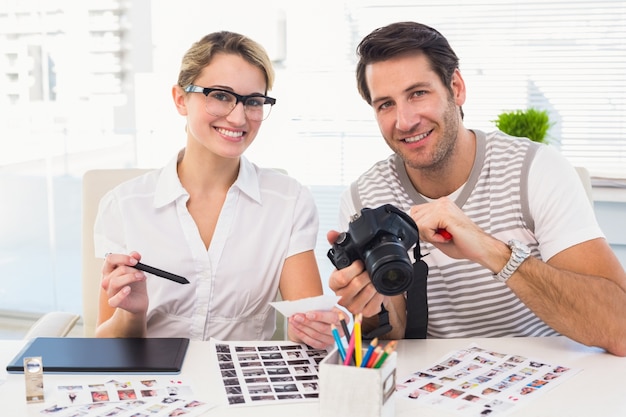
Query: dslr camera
[[380, 238]]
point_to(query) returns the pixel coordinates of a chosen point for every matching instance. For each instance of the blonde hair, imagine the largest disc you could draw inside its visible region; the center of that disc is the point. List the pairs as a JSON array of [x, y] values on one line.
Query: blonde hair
[[202, 52]]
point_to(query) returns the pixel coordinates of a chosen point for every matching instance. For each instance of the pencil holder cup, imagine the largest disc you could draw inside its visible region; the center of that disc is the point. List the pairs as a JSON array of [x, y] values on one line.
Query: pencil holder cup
[[351, 391]]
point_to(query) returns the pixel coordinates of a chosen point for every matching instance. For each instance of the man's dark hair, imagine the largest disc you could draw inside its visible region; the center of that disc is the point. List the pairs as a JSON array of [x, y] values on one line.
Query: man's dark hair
[[405, 38]]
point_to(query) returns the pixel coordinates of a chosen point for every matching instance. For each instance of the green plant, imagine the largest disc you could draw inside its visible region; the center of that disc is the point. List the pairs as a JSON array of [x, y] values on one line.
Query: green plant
[[531, 123]]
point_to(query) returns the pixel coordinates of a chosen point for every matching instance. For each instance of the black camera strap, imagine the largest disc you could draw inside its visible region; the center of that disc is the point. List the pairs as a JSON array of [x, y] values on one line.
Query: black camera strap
[[383, 325], [417, 300]]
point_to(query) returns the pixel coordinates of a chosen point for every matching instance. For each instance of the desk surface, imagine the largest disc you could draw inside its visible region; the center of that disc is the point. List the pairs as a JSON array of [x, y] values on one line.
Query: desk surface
[[598, 389]]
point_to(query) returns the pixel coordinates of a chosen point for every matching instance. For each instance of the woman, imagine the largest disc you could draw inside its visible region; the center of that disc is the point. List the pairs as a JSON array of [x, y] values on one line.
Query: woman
[[237, 232]]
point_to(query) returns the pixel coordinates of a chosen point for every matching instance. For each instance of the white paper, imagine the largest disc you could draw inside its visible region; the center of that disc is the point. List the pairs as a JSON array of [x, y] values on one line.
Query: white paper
[[321, 302]]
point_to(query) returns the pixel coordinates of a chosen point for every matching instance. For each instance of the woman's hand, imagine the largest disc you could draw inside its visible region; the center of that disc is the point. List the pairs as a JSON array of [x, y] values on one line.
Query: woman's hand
[[124, 286], [314, 328]]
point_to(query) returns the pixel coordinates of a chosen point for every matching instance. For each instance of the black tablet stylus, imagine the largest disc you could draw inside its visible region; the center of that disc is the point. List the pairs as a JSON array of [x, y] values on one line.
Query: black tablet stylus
[[161, 273]]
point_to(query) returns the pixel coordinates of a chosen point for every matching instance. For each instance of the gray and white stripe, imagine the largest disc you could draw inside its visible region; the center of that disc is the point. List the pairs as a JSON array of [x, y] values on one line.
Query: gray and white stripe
[[464, 300]]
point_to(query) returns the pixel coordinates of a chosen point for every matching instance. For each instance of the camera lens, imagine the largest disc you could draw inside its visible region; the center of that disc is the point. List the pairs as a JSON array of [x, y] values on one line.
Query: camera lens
[[393, 278], [389, 266]]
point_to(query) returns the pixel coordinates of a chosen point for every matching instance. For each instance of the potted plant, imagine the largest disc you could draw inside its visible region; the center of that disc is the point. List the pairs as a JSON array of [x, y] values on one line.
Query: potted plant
[[530, 123]]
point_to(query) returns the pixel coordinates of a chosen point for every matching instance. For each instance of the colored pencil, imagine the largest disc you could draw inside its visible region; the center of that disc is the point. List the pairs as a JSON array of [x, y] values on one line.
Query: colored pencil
[[391, 346], [340, 348], [358, 348], [350, 351], [377, 352], [344, 326], [370, 351]]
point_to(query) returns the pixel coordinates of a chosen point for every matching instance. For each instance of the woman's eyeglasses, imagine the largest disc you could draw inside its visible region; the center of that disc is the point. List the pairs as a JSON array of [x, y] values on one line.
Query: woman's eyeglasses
[[221, 102]]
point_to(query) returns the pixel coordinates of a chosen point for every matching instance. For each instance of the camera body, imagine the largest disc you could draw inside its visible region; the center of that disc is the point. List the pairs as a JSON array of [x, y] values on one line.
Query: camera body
[[379, 237]]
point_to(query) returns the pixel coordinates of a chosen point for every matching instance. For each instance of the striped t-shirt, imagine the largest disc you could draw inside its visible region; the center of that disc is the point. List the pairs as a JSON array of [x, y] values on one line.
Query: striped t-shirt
[[464, 299]]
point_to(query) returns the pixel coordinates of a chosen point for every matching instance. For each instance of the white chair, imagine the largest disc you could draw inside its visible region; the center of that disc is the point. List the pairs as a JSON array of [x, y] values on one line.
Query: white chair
[[95, 184], [53, 324]]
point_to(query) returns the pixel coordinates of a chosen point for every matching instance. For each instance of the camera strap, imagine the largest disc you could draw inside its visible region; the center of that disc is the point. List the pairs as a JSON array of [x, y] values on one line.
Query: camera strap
[[417, 300], [383, 325]]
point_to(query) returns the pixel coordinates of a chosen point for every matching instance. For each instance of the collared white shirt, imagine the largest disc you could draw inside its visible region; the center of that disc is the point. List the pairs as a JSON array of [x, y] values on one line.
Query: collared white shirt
[[267, 216]]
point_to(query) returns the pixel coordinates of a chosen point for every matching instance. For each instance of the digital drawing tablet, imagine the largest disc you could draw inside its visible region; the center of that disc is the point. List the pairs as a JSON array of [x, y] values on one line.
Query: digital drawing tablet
[[104, 355]]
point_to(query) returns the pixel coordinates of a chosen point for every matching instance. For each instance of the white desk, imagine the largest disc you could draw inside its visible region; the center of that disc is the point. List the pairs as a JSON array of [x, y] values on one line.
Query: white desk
[[598, 390]]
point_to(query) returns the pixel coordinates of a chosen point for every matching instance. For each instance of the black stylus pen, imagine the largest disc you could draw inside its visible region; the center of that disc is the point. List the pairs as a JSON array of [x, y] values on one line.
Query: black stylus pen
[[161, 273]]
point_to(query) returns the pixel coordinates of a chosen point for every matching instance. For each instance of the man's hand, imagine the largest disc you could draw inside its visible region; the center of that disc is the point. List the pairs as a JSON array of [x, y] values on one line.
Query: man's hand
[[354, 286], [467, 240]]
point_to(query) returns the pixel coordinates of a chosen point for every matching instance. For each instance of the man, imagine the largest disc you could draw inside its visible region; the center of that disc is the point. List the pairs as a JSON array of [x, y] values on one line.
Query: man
[[510, 239]]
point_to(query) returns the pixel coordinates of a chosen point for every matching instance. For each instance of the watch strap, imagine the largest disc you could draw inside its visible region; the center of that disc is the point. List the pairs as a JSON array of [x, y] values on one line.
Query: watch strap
[[519, 253]]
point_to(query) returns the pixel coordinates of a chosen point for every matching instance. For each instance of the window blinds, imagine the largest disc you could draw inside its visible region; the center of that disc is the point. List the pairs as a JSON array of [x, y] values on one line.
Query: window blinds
[[567, 57]]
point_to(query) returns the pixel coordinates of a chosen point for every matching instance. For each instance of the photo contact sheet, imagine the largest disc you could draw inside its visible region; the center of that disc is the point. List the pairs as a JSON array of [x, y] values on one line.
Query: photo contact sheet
[[268, 372]]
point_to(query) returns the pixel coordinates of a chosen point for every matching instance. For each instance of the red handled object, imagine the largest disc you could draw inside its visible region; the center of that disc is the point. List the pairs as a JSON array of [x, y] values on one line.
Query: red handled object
[[445, 234]]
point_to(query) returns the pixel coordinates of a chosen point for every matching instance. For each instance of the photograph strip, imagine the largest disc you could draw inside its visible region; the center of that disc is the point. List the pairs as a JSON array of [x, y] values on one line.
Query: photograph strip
[[154, 397], [479, 382], [256, 373]]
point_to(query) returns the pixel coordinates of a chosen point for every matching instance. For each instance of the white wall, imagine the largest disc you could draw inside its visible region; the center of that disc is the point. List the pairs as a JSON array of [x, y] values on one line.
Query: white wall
[[610, 208]]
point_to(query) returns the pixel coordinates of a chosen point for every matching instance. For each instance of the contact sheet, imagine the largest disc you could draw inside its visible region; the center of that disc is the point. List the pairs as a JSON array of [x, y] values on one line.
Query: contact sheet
[[142, 397], [254, 373], [480, 382]]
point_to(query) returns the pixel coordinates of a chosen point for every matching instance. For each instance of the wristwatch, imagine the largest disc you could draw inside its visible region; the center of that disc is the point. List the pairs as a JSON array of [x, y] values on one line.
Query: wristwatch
[[519, 252]]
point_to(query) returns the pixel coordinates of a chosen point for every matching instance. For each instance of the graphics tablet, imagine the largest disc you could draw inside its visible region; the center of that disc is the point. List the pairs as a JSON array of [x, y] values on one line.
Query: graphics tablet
[[104, 355]]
